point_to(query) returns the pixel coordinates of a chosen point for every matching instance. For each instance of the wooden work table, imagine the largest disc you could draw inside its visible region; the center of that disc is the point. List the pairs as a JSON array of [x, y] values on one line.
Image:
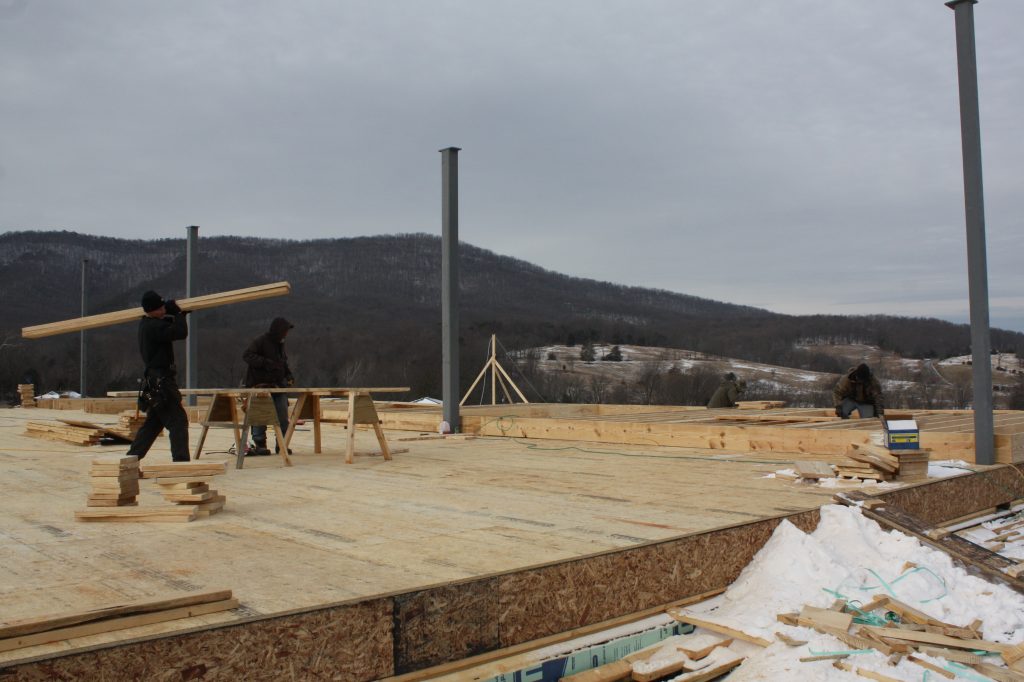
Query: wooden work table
[[225, 410]]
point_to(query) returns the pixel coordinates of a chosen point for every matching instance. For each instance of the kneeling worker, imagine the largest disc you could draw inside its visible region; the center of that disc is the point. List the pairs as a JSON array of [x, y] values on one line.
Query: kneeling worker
[[859, 390], [727, 392]]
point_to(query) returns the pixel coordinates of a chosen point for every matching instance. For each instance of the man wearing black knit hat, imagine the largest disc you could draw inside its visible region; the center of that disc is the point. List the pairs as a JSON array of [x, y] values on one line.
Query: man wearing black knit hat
[[163, 324]]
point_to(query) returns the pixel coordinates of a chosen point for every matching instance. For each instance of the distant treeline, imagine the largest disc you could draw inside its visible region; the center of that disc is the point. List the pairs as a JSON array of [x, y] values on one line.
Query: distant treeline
[[367, 312]]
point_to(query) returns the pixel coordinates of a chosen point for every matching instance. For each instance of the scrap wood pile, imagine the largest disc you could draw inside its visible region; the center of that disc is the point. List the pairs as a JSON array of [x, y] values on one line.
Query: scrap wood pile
[[695, 658], [186, 485], [17, 634], [904, 635], [899, 631], [80, 432]]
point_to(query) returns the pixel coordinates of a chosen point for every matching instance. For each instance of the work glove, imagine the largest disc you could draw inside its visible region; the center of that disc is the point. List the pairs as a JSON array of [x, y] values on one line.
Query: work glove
[[839, 411], [172, 307]]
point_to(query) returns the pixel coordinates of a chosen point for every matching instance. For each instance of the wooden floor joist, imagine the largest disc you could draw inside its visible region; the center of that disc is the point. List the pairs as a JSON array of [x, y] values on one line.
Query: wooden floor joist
[[948, 435]]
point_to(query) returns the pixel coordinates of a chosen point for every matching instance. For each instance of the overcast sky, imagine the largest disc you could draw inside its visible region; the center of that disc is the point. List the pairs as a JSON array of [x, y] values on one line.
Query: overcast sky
[[800, 155]]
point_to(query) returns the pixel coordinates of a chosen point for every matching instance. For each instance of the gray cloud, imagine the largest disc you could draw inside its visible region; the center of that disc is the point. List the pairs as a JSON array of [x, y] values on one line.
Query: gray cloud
[[803, 157]]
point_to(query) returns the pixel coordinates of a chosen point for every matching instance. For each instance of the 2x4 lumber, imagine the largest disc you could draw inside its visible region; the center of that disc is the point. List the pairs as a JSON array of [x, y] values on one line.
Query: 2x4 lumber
[[138, 514], [186, 304], [28, 626], [112, 624], [936, 639], [684, 616]]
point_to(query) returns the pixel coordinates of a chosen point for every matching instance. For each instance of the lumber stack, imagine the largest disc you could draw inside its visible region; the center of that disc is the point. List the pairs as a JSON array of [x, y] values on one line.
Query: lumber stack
[[187, 485], [128, 424], [882, 464], [27, 393], [114, 481], [66, 433], [184, 484]]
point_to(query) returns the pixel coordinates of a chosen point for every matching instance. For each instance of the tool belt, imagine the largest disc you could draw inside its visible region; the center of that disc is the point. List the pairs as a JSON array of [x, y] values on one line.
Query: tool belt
[[158, 389]]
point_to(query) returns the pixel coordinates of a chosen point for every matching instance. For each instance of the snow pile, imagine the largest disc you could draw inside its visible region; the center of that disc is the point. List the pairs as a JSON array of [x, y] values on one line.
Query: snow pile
[[851, 556]]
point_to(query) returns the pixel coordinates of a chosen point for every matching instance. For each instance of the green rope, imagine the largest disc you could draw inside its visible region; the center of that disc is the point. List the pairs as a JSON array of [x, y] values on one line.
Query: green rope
[[962, 670]]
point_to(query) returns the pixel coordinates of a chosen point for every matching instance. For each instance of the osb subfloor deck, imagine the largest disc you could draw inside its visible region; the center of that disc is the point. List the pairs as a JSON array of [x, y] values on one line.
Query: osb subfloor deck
[[322, 531]]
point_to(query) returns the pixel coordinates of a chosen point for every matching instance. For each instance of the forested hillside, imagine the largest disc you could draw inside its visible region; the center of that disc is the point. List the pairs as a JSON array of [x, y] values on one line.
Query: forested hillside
[[367, 311]]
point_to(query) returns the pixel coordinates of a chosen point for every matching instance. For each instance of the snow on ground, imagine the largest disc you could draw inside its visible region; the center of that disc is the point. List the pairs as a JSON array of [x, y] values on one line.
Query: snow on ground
[[949, 467], [849, 555]]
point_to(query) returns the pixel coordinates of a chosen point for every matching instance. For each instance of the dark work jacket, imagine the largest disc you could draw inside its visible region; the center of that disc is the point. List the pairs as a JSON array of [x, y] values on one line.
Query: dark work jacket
[[268, 363], [726, 394], [868, 392], [156, 342]]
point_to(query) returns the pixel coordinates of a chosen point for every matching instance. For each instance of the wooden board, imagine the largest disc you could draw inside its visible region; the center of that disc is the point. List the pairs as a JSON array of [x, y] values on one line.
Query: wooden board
[[195, 303], [814, 469], [138, 514]]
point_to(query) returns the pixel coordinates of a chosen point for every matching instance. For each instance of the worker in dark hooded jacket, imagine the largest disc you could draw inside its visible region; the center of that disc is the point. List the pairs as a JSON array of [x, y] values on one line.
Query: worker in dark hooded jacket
[[859, 390], [268, 368], [727, 392]]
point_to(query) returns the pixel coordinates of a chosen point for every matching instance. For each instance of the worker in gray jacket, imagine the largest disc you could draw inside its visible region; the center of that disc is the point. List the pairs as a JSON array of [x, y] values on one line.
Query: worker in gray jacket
[[727, 392]]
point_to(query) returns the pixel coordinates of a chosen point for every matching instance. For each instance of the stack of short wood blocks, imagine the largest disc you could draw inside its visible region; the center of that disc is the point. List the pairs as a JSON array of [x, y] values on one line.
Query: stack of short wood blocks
[[28, 394], [188, 485], [882, 464], [115, 482], [185, 485]]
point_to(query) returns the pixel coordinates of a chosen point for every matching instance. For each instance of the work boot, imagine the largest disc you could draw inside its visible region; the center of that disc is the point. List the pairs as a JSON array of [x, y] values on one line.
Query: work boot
[[257, 450], [277, 449]]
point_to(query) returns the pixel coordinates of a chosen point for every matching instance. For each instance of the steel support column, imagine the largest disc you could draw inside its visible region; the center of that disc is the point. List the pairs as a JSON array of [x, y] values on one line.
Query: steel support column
[[192, 343], [974, 204], [81, 334], [450, 285]]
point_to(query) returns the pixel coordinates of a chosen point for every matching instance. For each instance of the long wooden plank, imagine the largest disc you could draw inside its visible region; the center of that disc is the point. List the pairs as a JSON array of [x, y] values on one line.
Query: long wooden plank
[[28, 626], [195, 303], [116, 624], [684, 616], [936, 639]]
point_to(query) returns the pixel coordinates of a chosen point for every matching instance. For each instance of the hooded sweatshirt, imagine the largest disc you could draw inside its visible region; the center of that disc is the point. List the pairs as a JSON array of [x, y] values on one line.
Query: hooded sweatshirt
[[268, 363]]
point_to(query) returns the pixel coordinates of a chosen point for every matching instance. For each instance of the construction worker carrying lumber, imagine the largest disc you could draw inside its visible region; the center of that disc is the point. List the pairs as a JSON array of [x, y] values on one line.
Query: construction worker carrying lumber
[[163, 324], [859, 390], [268, 368], [727, 392]]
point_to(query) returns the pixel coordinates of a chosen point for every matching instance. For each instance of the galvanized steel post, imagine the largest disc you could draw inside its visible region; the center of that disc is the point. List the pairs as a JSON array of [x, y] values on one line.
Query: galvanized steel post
[[450, 286], [192, 343], [81, 335], [974, 204]]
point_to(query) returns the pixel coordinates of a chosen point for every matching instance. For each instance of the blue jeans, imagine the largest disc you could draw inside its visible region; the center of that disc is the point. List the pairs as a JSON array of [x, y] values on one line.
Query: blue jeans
[[866, 410], [259, 432]]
